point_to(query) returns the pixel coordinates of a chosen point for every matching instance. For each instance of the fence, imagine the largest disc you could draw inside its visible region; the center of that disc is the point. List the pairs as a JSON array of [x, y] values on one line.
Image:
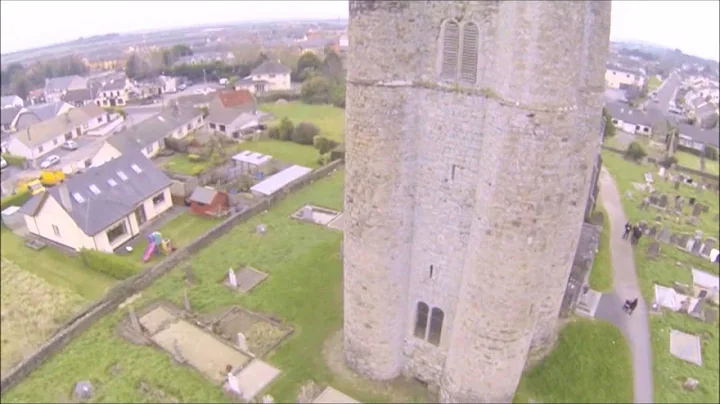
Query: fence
[[120, 292]]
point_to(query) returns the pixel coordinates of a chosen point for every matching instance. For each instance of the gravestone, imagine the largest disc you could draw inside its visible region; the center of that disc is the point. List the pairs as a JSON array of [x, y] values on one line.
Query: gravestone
[[683, 240], [697, 209], [260, 229], [691, 201], [663, 201], [652, 231], [674, 239], [232, 278], [708, 247], [653, 199], [679, 203], [664, 235], [677, 185], [645, 203], [242, 342], [705, 208], [698, 234], [697, 246], [307, 213], [691, 384], [134, 320], [653, 250], [186, 301]]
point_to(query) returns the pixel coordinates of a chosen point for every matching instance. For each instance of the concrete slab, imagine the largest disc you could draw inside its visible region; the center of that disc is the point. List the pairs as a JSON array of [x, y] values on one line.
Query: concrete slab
[[588, 303], [686, 347], [255, 377], [332, 396], [338, 223]]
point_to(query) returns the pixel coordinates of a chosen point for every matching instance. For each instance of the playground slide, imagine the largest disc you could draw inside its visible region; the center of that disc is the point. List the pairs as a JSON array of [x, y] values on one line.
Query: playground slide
[[148, 252]]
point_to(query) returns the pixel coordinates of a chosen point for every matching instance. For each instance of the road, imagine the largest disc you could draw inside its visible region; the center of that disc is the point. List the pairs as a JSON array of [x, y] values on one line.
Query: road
[[666, 94]]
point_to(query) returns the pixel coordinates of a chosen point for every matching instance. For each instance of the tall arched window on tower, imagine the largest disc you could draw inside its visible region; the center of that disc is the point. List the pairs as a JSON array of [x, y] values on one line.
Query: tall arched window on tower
[[469, 56], [450, 50], [436, 323], [421, 320]]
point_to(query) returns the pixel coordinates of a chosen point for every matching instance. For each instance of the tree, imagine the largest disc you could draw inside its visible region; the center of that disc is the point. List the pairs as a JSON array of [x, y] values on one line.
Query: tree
[[332, 66], [323, 144], [316, 90], [609, 126], [181, 50], [286, 129], [635, 152], [133, 67], [337, 95], [307, 66], [20, 87], [304, 133]]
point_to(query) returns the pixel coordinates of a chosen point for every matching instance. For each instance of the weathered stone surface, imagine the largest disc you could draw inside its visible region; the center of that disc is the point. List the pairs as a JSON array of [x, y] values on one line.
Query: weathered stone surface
[[466, 196]]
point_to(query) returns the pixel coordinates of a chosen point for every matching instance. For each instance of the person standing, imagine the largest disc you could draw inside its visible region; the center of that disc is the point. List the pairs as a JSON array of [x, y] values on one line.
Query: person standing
[[628, 229]]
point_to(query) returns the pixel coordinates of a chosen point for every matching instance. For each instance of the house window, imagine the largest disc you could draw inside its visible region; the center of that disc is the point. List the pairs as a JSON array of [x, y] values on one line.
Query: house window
[[222, 128], [55, 142], [68, 136], [272, 76], [158, 199], [637, 127], [421, 319], [40, 149], [436, 321], [614, 121], [646, 129], [188, 126], [212, 126], [56, 230], [116, 232], [149, 149]]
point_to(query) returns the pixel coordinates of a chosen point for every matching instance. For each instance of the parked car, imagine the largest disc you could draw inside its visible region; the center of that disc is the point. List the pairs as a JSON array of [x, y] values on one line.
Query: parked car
[[50, 161], [3, 163], [70, 145]]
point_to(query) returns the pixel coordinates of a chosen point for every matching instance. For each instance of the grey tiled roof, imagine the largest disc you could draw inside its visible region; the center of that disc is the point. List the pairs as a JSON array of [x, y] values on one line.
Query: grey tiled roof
[[8, 114], [625, 113], [83, 94], [705, 136], [96, 212], [57, 84], [153, 129], [270, 67], [43, 112], [226, 116], [113, 85], [203, 195], [7, 100]]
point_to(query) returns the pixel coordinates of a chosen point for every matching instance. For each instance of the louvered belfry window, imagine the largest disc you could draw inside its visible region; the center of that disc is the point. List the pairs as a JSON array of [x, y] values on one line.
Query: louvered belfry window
[[460, 45], [469, 61], [450, 50]]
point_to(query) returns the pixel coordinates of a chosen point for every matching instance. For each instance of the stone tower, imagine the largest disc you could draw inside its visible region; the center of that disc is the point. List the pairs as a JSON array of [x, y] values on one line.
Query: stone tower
[[472, 129]]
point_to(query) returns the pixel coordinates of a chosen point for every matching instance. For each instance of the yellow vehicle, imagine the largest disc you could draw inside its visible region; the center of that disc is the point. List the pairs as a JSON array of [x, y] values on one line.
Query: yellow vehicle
[[51, 177], [34, 186]]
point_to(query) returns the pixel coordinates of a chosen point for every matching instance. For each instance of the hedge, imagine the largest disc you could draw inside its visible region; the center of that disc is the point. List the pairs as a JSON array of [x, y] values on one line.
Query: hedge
[[17, 161], [108, 264], [18, 199]]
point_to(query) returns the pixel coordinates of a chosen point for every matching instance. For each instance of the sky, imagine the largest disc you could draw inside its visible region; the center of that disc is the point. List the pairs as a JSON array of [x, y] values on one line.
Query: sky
[[692, 26]]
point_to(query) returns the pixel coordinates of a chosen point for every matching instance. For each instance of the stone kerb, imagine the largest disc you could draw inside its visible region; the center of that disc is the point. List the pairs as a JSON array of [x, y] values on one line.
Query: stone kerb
[[120, 292]]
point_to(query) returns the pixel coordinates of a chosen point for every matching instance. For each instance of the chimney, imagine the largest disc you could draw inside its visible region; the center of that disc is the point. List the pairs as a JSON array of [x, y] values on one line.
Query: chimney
[[65, 197]]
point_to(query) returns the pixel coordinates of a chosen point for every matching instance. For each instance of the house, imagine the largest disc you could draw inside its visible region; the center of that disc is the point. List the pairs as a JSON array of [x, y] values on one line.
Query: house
[[56, 87], [233, 112], [251, 163], [253, 86], [206, 58], [39, 139], [113, 93], [36, 96], [196, 100], [37, 113], [209, 201], [615, 95], [102, 208], [630, 120], [11, 101], [169, 84], [706, 285], [697, 138], [79, 97], [8, 116], [274, 74], [706, 115], [277, 182], [148, 136], [620, 77]]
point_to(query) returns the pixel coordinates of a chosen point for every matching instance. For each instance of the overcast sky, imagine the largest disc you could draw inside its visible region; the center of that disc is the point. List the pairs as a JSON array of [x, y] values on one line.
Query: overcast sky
[[689, 25]]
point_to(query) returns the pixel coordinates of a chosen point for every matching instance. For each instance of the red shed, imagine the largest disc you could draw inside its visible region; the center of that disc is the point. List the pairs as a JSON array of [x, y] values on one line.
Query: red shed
[[208, 201]]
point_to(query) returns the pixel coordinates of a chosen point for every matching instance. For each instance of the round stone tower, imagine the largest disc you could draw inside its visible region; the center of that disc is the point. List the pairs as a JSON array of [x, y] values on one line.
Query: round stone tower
[[470, 137]]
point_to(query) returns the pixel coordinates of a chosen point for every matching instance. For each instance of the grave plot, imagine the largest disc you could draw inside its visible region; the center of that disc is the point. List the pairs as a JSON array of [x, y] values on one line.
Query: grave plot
[[243, 280], [316, 214], [686, 347], [251, 332]]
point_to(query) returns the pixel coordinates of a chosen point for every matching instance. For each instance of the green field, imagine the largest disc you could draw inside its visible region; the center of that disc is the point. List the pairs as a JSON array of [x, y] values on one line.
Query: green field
[[601, 276], [286, 152], [672, 265], [692, 161], [591, 364], [330, 120], [653, 83]]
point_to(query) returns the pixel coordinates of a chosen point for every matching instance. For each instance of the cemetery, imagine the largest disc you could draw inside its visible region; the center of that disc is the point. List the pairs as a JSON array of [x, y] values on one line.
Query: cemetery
[[317, 215], [676, 264]]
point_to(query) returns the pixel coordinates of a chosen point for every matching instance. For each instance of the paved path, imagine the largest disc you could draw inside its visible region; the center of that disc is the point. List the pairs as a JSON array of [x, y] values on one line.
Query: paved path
[[635, 327]]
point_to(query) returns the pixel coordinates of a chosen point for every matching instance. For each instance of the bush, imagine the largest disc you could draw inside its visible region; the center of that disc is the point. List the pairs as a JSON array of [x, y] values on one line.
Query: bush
[[667, 162], [17, 161], [178, 145], [338, 152], [635, 152], [286, 129], [323, 144], [711, 153], [305, 133], [18, 199], [278, 95], [109, 264], [274, 133]]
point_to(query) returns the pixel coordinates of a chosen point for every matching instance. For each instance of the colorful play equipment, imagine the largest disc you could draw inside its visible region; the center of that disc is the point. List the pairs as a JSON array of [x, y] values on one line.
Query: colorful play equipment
[[156, 245]]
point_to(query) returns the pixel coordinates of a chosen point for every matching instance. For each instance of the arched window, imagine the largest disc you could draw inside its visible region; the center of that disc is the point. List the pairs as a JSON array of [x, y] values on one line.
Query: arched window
[[469, 59], [436, 322], [450, 50], [421, 320]]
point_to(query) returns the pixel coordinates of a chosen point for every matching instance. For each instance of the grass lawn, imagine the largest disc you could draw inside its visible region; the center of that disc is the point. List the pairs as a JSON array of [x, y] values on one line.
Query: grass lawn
[[179, 163], [330, 120], [672, 265], [286, 152], [304, 289], [32, 309], [653, 83], [601, 276], [692, 161], [54, 266], [591, 364]]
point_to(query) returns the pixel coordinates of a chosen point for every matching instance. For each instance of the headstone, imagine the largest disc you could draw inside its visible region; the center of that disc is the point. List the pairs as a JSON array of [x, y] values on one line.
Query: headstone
[[705, 208], [698, 234], [697, 246], [664, 235], [629, 194], [697, 210], [232, 278], [708, 246], [134, 320], [186, 301], [663, 201], [652, 231], [691, 201], [654, 199], [645, 203], [683, 240], [673, 239], [234, 384], [653, 250], [662, 171], [679, 203], [691, 384], [242, 342], [677, 185], [307, 213], [260, 229]]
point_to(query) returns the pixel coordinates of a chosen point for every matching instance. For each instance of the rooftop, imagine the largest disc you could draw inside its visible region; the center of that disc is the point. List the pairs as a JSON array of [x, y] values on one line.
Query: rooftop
[[276, 182], [153, 129], [251, 157]]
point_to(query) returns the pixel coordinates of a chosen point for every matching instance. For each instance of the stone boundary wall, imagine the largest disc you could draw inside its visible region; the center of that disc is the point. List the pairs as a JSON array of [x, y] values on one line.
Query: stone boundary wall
[[123, 290], [684, 169]]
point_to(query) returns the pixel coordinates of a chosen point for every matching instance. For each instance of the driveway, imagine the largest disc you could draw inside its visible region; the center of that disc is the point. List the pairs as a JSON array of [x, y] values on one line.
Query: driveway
[[666, 94]]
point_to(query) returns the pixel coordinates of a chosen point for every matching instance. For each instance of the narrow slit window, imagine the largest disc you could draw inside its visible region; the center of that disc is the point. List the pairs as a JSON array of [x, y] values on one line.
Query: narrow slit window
[[421, 320], [450, 50], [431, 271], [470, 47], [436, 323]]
